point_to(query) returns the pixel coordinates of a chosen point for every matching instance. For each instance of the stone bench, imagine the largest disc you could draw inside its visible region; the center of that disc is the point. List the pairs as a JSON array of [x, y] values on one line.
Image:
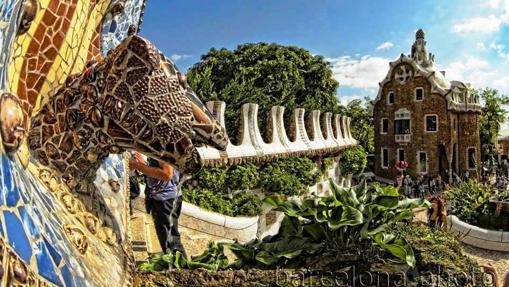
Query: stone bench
[[478, 237]]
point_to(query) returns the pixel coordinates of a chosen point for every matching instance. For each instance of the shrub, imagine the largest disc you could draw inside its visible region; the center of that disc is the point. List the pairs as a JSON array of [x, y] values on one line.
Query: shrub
[[468, 200], [246, 205], [213, 178], [240, 205], [353, 161], [275, 180], [212, 188], [243, 177], [289, 176], [207, 199], [437, 249], [327, 163]]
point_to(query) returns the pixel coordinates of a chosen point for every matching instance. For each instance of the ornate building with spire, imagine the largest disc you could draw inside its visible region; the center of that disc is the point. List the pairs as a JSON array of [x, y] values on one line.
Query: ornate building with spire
[[424, 119]]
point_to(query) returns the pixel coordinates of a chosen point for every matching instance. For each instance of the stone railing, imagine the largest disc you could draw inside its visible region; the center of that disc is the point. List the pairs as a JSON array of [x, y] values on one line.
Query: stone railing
[[479, 237], [321, 134]]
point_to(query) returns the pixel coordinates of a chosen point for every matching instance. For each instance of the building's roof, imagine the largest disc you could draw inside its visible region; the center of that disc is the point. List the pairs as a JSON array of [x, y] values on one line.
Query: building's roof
[[457, 93]]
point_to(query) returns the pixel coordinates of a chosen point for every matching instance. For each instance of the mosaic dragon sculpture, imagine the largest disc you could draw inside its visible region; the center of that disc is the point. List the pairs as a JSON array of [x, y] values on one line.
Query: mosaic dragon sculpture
[[79, 87], [134, 99]]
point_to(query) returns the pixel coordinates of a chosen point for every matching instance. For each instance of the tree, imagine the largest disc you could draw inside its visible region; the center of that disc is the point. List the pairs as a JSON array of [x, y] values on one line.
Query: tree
[[266, 74], [492, 115], [362, 122], [353, 161]]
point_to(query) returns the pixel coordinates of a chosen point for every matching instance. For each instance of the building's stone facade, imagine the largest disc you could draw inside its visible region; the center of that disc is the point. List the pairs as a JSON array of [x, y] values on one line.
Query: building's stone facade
[[503, 145], [430, 149]]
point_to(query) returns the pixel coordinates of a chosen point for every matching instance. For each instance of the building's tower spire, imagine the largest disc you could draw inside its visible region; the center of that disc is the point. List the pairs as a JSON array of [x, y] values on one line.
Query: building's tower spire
[[419, 53]]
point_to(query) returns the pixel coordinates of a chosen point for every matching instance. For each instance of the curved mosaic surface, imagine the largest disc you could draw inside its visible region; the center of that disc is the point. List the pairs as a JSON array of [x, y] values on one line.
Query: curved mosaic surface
[[116, 26], [46, 236]]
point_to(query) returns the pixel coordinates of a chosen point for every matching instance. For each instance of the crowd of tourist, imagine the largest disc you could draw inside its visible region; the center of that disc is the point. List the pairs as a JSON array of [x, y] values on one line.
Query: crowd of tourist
[[421, 187], [428, 187]]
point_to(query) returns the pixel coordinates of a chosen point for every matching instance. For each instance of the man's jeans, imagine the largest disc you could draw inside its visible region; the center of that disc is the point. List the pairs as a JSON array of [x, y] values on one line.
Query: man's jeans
[[166, 214]]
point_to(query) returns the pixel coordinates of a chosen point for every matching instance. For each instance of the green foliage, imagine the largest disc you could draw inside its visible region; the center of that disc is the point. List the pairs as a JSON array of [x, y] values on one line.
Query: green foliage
[[436, 248], [468, 200], [503, 196], [362, 122], [493, 114], [350, 217], [213, 258], [213, 178], [327, 163], [291, 176], [164, 261], [353, 160], [277, 181], [243, 204], [266, 74], [243, 177], [222, 189]]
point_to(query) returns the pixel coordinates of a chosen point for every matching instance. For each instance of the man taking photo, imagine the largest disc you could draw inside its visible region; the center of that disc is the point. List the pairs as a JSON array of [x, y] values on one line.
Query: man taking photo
[[165, 200]]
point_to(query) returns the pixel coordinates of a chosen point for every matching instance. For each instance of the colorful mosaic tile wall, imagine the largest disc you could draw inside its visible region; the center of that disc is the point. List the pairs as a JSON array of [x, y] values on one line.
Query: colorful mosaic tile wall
[[46, 236]]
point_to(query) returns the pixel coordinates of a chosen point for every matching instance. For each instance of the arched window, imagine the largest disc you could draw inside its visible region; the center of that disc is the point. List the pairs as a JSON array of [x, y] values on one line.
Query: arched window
[[390, 98]]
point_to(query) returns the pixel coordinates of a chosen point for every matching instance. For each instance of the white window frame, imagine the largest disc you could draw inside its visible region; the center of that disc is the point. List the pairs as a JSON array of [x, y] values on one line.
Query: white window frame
[[382, 157], [415, 94], [426, 123], [397, 154], [393, 97], [403, 114], [382, 126], [419, 162], [468, 158]]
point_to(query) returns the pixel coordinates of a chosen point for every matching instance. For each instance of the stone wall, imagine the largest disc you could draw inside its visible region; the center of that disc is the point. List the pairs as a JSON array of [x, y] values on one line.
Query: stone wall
[[457, 109], [446, 149], [419, 140]]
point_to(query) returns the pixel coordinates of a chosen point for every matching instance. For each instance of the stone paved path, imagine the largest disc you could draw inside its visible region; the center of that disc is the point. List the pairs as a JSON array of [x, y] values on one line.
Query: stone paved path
[[145, 241], [499, 259]]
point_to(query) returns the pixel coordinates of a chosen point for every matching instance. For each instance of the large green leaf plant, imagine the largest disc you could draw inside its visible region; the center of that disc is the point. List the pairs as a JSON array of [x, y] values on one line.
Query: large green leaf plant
[[346, 220]]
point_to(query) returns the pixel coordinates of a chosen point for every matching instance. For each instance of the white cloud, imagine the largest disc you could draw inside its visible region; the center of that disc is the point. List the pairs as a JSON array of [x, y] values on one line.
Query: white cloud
[[464, 70], [345, 100], [177, 57], [488, 24], [500, 49], [502, 83], [481, 46], [364, 72], [493, 3], [384, 46], [477, 72]]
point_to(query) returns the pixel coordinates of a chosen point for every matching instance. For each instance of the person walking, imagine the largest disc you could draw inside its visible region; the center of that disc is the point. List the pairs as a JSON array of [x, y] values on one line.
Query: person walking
[[164, 200], [439, 184], [466, 176], [407, 186]]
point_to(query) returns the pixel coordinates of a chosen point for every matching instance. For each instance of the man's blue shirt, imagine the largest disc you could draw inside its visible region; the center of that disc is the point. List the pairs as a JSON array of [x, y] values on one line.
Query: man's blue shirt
[[163, 190]]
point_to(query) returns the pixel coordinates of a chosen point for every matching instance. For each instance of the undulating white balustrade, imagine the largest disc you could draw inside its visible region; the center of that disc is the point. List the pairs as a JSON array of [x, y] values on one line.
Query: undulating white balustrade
[[318, 135]]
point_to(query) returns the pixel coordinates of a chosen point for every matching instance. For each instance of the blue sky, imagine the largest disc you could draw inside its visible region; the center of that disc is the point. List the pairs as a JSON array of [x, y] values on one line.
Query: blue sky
[[470, 39]]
